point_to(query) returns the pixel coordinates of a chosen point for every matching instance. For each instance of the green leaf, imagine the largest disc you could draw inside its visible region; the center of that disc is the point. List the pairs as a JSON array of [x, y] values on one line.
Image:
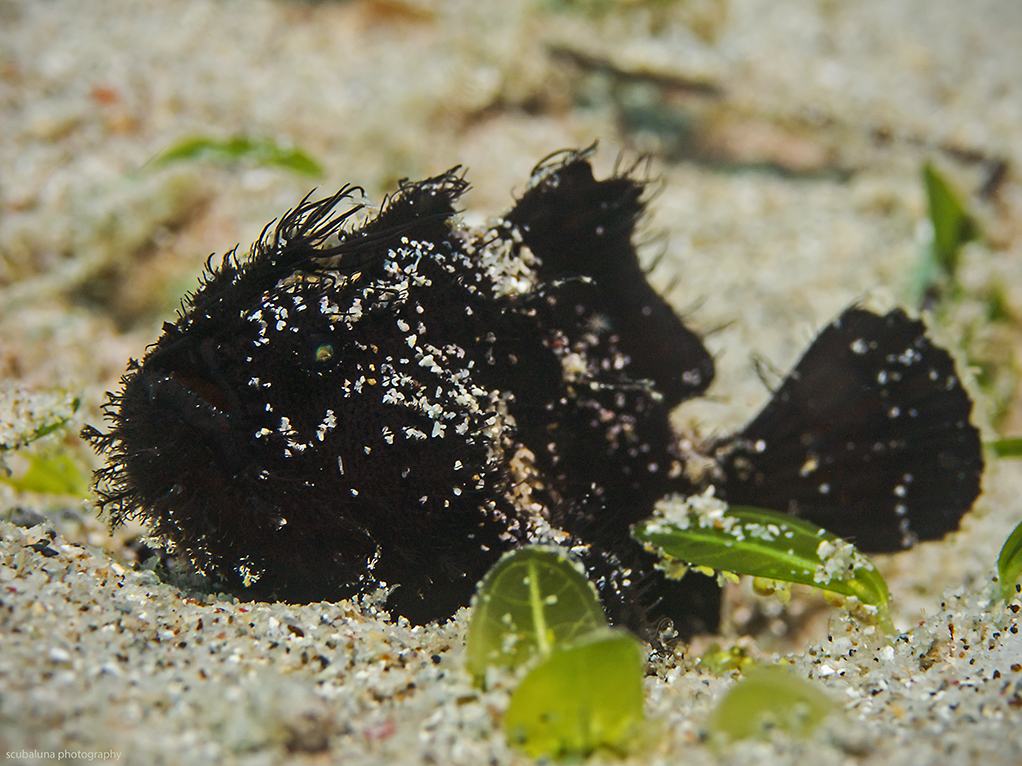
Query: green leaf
[[1005, 447], [533, 600], [703, 531], [578, 700], [770, 697], [55, 474], [263, 152], [1009, 563], [952, 225], [952, 228]]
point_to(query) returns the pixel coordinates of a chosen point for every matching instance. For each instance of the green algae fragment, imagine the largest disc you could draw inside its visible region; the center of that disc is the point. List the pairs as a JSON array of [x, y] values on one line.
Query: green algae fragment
[[704, 532], [581, 700], [258, 151], [1009, 563], [770, 697], [533, 600]]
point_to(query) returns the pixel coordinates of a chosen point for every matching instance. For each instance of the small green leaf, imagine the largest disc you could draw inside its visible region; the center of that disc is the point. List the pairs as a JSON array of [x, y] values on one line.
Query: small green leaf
[[264, 152], [952, 228], [703, 531], [1009, 563], [770, 697], [1005, 447], [54, 474], [578, 700], [952, 225], [533, 600]]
